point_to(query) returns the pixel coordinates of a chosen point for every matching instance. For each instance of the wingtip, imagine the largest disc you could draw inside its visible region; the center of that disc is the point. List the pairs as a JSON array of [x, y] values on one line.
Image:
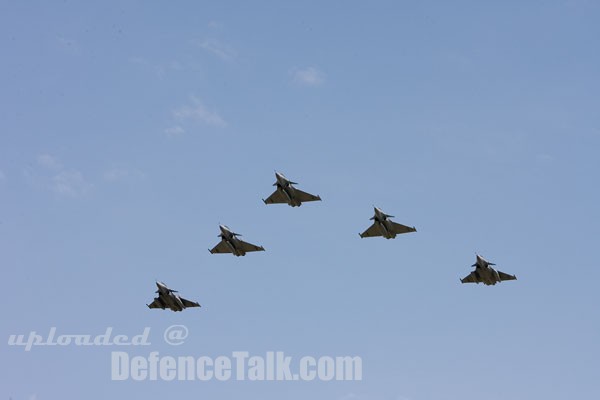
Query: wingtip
[[264, 201]]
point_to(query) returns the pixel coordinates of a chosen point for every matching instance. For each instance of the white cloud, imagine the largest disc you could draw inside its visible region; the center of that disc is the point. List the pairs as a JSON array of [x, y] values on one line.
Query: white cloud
[[215, 25], [175, 65], [198, 112], [2, 176], [70, 183], [49, 162], [123, 174], [174, 131], [161, 69], [309, 76], [217, 48]]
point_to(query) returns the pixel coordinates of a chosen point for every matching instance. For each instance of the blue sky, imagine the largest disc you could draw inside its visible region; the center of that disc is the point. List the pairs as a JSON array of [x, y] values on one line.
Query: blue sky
[[129, 130]]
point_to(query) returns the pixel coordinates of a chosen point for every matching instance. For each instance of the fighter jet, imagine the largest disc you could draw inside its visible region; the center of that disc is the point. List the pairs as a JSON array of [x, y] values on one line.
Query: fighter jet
[[168, 298], [486, 274], [287, 193], [231, 244], [384, 226]]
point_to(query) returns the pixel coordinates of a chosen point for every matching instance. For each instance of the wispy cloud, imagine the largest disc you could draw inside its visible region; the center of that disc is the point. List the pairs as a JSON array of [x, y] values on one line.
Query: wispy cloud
[[215, 25], [49, 162], [174, 131], [123, 175], [197, 111], [2, 176], [51, 174], [309, 76], [162, 69], [218, 48], [70, 183]]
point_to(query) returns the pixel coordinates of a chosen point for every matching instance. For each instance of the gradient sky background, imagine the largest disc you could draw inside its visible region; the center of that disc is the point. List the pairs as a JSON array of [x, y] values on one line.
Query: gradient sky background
[[131, 129]]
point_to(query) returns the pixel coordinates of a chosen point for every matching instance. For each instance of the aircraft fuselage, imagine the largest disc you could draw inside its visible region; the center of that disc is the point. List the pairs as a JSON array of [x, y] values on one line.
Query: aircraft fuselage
[[169, 299], [231, 241], [288, 190], [384, 225], [487, 274]]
